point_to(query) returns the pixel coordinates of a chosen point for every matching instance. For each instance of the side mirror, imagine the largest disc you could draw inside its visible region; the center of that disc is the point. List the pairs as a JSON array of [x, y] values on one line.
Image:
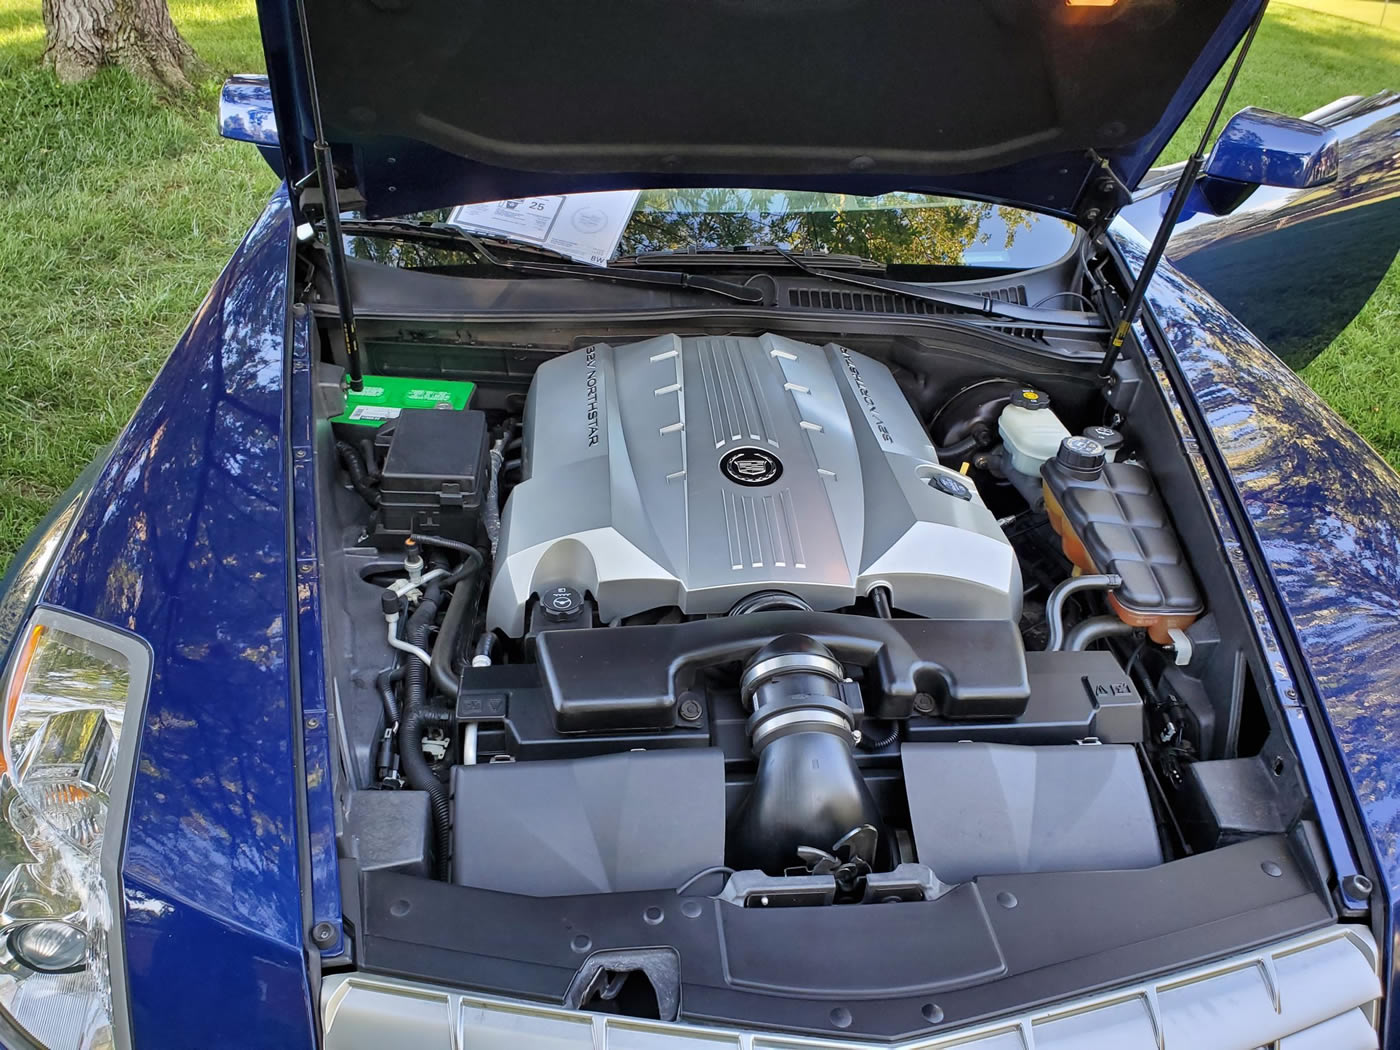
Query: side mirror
[[1259, 148], [245, 115]]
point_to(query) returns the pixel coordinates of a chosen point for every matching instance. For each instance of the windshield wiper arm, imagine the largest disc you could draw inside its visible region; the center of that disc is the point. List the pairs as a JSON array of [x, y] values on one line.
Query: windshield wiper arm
[[565, 267], [445, 235], [984, 305]]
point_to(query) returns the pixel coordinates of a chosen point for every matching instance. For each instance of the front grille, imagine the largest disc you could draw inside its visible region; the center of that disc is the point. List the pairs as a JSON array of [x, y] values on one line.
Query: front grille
[[1315, 992]]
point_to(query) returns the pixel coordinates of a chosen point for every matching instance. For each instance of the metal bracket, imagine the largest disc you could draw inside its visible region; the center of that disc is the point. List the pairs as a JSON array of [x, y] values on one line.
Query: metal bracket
[[1104, 196]]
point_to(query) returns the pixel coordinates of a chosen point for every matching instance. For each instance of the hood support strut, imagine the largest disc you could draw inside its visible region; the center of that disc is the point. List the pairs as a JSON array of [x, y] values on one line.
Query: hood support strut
[[1182, 190], [330, 205]]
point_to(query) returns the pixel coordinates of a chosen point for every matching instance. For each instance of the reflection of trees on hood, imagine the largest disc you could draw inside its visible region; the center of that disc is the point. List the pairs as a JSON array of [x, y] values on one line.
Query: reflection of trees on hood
[[903, 232]]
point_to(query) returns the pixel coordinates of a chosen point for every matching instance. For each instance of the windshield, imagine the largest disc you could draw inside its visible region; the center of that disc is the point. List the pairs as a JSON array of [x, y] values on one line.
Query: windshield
[[894, 229]]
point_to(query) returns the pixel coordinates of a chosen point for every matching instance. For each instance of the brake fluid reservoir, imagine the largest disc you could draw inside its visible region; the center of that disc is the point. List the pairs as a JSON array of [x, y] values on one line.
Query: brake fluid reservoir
[[1030, 431], [1110, 519]]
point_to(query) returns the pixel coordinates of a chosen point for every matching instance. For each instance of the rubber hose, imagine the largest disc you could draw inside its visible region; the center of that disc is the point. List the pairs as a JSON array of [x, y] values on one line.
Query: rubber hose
[[485, 648], [359, 477], [957, 449], [417, 716], [384, 683], [463, 598], [465, 579], [870, 743], [425, 540], [1086, 632]]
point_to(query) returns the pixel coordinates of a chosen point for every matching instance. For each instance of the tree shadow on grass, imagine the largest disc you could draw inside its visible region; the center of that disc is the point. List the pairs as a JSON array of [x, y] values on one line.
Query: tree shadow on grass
[[58, 138]]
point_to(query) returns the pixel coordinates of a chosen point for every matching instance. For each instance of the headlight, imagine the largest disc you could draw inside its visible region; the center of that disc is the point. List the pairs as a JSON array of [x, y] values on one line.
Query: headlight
[[26, 573], [70, 685]]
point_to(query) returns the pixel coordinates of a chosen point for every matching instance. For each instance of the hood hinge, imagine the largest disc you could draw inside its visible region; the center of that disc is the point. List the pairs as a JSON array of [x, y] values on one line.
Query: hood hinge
[[1103, 197]]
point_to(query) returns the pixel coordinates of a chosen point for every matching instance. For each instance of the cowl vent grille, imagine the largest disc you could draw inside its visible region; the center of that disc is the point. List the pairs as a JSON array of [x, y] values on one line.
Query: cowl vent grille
[[889, 302], [858, 302]]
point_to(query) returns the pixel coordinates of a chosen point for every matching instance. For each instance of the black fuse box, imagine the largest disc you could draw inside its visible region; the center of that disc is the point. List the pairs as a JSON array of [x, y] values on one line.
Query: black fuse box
[[435, 476]]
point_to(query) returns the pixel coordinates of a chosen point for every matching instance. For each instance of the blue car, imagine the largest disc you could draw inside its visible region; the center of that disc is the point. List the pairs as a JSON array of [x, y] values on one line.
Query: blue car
[[732, 525]]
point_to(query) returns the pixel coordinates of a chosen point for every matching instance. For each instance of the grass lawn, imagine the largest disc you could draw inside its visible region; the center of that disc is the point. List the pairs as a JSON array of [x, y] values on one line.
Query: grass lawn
[[117, 212], [1369, 12], [1301, 60]]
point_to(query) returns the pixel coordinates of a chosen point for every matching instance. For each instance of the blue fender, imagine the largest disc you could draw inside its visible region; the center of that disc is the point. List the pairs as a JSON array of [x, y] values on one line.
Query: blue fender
[[1322, 509], [184, 542]]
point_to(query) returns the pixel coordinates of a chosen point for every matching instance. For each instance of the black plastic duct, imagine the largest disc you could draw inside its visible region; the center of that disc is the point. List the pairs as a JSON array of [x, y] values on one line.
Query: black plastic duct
[[808, 791]]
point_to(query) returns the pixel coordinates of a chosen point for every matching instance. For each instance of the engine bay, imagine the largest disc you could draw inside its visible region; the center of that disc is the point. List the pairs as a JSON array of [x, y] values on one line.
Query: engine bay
[[776, 625]]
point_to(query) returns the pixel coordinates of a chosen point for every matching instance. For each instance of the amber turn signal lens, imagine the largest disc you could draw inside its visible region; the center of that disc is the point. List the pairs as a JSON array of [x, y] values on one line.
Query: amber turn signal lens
[[27, 649]]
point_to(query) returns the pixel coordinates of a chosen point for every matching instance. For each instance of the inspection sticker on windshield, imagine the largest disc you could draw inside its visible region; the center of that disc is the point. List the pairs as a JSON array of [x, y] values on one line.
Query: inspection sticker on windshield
[[583, 226], [527, 218]]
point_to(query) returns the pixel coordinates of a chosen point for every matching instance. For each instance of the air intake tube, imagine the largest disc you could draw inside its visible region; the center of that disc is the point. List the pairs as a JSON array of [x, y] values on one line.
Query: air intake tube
[[808, 792]]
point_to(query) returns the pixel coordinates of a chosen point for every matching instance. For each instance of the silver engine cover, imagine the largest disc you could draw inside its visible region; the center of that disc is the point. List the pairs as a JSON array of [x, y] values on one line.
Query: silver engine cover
[[695, 471]]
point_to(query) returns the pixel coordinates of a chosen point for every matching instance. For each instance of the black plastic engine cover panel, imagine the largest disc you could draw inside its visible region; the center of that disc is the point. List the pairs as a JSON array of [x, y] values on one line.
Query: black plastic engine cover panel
[[633, 677], [609, 823], [970, 951]]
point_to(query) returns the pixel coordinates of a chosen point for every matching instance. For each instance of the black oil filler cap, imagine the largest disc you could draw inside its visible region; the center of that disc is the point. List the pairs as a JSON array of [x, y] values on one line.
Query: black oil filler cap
[[943, 483], [561, 602]]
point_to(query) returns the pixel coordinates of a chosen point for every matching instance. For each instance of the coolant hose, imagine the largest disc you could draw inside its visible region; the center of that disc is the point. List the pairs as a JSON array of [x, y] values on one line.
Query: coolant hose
[[444, 678], [415, 716], [354, 465], [384, 684], [485, 650], [466, 578], [1055, 604], [1096, 628]]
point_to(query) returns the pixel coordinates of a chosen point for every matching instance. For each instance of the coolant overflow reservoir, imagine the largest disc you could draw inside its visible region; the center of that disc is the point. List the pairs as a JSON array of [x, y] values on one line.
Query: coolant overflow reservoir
[[1030, 430], [1110, 519]]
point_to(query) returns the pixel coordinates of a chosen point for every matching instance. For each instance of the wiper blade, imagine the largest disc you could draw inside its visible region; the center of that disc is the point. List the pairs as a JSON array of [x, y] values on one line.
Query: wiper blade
[[983, 305], [566, 267], [747, 255], [441, 234]]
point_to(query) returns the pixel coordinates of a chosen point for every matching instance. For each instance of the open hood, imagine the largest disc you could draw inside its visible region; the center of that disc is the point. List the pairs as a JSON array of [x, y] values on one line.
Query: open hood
[[1056, 105]]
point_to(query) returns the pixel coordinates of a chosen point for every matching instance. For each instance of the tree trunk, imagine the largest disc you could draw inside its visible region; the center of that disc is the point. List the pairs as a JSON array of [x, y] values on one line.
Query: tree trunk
[[138, 35]]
